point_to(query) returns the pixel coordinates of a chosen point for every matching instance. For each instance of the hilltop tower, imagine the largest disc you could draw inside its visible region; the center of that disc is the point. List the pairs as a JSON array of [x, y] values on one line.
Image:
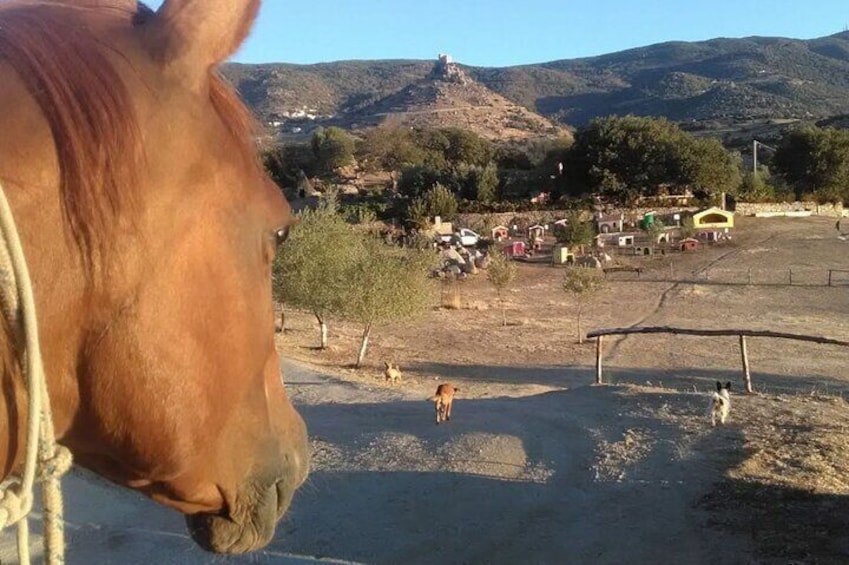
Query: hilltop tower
[[446, 70]]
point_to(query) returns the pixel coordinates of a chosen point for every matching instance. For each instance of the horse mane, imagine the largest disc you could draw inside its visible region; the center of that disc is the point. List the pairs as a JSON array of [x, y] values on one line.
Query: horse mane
[[89, 109]]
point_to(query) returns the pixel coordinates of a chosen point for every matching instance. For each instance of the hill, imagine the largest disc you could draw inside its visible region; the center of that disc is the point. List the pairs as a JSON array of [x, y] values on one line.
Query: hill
[[721, 80], [448, 97]]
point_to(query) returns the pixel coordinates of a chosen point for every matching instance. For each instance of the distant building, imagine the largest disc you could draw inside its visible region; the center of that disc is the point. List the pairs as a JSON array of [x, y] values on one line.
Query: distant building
[[713, 218], [611, 223], [689, 244]]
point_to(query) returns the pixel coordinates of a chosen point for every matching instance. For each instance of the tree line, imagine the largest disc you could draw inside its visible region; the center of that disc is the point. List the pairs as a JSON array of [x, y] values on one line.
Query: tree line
[[621, 159]]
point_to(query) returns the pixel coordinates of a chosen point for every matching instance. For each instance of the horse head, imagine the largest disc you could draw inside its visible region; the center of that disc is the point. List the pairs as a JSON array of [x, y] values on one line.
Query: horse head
[[150, 230]]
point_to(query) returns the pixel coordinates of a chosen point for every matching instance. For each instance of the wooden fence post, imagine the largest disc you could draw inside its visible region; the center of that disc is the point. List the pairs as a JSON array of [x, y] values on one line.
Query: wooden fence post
[[598, 351], [829, 277], [744, 353]]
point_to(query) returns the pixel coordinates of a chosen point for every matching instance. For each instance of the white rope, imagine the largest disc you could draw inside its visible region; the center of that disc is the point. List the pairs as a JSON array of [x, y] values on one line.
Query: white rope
[[44, 460]]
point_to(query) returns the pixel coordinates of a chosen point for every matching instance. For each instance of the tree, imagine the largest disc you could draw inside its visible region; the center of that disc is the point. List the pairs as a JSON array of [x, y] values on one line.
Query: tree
[[815, 161], [417, 179], [625, 158], [707, 168], [386, 284], [472, 182], [389, 147], [333, 147], [757, 188], [287, 164], [501, 273], [466, 146], [575, 233], [312, 269], [438, 201], [582, 283]]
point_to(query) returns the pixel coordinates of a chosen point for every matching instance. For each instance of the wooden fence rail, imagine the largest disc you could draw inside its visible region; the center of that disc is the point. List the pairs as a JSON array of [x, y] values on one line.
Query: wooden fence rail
[[741, 333]]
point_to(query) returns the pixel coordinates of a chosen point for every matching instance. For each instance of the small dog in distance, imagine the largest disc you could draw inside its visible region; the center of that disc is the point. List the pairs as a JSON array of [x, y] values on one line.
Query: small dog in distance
[[443, 399], [392, 374], [720, 403]]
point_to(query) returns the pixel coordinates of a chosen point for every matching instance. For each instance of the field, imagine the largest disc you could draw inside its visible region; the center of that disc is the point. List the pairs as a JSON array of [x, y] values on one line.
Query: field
[[537, 464], [539, 467]]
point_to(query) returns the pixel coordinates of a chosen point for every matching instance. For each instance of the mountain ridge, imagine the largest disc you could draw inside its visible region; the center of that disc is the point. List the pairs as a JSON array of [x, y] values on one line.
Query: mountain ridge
[[720, 79]]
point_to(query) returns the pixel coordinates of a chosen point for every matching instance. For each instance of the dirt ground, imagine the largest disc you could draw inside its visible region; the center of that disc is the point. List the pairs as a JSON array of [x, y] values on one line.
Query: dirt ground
[[538, 465]]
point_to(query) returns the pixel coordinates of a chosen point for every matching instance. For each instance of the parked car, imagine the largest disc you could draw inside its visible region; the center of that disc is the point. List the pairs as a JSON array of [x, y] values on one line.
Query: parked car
[[464, 236]]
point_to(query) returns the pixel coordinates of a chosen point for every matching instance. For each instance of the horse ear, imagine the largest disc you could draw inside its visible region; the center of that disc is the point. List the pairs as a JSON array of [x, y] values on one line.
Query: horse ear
[[190, 36]]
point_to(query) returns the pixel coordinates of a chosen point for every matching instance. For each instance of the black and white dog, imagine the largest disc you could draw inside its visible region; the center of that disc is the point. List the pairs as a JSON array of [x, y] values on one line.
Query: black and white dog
[[720, 403]]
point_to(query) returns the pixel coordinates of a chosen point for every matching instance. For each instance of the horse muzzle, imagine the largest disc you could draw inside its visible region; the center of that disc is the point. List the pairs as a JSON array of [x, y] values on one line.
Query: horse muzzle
[[246, 528], [249, 522]]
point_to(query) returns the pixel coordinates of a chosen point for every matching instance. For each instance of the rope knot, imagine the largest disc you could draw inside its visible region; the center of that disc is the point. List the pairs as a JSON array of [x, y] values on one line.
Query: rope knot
[[55, 466]]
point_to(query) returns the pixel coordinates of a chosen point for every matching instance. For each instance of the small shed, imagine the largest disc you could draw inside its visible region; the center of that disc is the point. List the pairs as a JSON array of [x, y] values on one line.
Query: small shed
[[611, 223], [536, 231], [536, 236], [500, 233], [713, 218], [515, 249], [689, 244], [562, 255]]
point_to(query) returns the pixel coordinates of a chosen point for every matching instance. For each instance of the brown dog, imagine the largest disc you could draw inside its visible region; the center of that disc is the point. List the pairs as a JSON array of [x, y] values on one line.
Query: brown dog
[[443, 398], [392, 374]]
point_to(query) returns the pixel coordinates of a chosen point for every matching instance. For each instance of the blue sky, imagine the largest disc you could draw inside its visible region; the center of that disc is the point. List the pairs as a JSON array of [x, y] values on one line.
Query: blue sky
[[496, 33]]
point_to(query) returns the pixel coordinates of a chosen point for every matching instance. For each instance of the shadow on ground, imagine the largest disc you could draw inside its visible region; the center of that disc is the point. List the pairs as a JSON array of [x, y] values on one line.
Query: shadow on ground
[[684, 379], [603, 480]]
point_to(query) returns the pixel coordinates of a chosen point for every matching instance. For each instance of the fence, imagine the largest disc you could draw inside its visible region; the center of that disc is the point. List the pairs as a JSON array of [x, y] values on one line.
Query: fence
[[742, 334], [791, 276]]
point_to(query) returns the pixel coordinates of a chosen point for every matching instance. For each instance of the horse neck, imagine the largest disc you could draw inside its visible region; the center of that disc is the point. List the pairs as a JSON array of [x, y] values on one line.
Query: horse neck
[[13, 405]]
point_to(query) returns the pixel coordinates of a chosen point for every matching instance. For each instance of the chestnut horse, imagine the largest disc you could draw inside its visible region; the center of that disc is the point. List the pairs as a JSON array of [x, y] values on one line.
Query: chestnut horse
[[149, 229]]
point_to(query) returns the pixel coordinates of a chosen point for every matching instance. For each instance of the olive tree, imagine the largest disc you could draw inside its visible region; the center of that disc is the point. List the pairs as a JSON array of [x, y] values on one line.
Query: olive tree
[[386, 284], [582, 283], [312, 269], [501, 273]]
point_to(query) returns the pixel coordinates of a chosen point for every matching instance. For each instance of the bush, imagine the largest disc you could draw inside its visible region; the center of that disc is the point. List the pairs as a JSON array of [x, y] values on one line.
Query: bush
[[438, 201]]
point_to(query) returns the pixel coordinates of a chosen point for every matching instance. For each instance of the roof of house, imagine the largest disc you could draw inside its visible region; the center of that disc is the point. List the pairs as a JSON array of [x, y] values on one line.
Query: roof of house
[[713, 210]]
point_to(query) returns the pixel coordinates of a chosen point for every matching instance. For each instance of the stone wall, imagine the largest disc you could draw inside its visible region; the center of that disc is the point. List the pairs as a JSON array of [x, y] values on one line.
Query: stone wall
[[525, 219], [831, 210]]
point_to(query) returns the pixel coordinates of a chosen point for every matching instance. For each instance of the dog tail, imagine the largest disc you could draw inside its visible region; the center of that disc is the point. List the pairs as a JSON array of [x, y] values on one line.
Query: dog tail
[[432, 399]]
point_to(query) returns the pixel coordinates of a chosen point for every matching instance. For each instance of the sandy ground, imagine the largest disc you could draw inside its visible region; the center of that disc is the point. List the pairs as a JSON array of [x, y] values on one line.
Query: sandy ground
[[538, 465]]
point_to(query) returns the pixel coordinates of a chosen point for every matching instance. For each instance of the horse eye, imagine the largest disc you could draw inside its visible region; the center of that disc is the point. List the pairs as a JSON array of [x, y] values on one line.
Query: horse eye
[[281, 235]]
